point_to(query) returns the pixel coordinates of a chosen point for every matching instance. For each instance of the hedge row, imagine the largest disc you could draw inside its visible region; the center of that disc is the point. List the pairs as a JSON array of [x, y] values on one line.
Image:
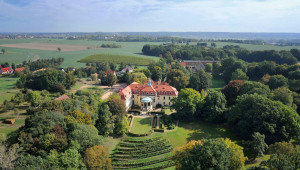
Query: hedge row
[[142, 141], [130, 144], [143, 151], [140, 135], [137, 165], [143, 155], [157, 166], [159, 130]]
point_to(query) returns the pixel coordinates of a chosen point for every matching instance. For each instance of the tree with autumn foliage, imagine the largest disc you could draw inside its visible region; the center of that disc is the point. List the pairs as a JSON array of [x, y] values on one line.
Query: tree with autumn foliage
[[210, 154], [232, 90], [78, 117], [177, 79], [97, 157]]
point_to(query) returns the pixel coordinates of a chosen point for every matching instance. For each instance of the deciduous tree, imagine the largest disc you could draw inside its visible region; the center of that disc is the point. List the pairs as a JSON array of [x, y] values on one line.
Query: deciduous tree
[[187, 104], [214, 107], [200, 80], [177, 79], [97, 157]]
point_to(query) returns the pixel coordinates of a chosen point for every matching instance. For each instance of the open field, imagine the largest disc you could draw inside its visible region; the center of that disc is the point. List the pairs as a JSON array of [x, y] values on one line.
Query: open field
[[141, 125], [7, 88], [47, 46], [18, 55], [117, 59]]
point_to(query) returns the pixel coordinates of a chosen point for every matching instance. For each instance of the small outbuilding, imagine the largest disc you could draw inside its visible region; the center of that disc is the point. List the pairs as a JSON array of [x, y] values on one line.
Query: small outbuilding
[[10, 121]]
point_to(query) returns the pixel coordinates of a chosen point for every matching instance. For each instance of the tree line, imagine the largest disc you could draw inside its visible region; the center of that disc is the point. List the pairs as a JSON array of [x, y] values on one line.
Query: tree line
[[201, 52]]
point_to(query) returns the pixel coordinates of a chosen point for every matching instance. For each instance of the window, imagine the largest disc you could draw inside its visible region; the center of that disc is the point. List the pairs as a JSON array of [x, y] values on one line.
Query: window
[[151, 92], [147, 93], [170, 92], [164, 98], [169, 98]]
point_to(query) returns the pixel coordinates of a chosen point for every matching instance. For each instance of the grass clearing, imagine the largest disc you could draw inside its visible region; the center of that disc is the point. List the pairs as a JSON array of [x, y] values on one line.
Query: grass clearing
[[141, 125], [7, 88], [197, 131], [117, 59], [20, 117], [111, 142], [217, 84]]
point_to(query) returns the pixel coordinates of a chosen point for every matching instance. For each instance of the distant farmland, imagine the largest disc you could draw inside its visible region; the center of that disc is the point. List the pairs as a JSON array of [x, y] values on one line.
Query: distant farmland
[[18, 54], [47, 46], [117, 59]]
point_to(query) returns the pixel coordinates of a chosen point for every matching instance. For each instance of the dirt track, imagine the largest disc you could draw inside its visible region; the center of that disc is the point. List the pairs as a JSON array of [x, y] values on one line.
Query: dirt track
[[115, 89], [47, 46]]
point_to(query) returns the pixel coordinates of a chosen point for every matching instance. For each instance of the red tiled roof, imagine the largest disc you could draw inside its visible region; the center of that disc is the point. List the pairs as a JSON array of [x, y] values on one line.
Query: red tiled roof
[[156, 82], [5, 69], [63, 97], [108, 72], [183, 64], [19, 69], [155, 89], [125, 93]]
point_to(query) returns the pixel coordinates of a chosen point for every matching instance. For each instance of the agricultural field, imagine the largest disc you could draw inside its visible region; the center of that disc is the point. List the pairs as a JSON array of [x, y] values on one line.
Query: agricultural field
[[141, 125], [118, 59], [48, 46], [18, 55], [7, 88]]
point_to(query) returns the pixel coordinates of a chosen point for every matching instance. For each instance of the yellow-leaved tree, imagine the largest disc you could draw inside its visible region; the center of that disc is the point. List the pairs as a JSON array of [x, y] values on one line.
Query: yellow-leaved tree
[[237, 158], [97, 157]]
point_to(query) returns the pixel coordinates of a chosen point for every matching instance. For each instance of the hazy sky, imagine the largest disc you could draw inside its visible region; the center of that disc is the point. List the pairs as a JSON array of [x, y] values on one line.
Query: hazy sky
[[149, 15]]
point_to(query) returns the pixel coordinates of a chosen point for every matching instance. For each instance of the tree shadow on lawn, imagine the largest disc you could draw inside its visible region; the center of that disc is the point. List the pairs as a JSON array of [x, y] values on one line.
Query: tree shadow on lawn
[[145, 121], [203, 130]]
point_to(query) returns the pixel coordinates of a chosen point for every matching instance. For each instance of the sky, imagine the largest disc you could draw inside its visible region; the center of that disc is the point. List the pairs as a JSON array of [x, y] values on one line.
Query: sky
[[150, 15]]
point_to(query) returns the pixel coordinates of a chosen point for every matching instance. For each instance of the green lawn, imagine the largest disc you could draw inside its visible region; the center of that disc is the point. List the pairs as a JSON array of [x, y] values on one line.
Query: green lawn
[[19, 117], [197, 131], [217, 84], [141, 125], [7, 88]]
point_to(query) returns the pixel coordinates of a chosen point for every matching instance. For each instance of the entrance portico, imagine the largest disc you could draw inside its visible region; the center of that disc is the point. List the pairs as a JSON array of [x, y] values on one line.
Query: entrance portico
[[146, 104]]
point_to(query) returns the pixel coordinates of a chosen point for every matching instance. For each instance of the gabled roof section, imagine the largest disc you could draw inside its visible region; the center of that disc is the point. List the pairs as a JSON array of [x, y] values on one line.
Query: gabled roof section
[[129, 68], [6, 69], [19, 69]]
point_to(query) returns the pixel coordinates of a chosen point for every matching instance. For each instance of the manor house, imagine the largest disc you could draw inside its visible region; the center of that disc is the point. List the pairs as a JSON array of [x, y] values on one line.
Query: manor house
[[148, 95]]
